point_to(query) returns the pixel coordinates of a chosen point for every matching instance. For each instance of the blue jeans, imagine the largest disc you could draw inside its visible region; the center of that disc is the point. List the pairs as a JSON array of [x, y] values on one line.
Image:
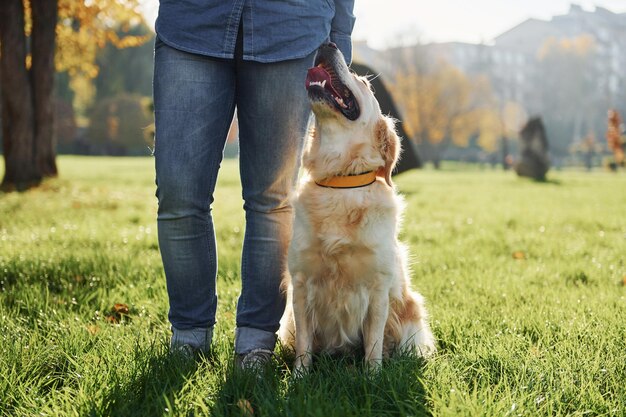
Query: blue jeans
[[194, 101]]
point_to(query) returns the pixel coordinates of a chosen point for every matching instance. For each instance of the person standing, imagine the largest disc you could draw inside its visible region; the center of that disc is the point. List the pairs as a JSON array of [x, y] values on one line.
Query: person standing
[[213, 57]]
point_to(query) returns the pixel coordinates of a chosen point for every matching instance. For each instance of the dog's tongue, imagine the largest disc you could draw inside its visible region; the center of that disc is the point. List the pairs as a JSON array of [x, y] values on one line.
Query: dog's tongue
[[316, 76]]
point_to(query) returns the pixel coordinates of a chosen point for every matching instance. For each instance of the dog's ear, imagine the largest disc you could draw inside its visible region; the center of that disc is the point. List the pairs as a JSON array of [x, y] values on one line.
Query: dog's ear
[[388, 145]]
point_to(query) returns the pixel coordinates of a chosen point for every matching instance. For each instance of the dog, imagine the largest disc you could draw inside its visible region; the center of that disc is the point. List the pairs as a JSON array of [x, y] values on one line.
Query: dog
[[348, 283]]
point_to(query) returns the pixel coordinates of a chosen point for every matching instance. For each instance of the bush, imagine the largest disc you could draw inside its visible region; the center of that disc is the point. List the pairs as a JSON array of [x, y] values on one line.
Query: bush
[[118, 125]]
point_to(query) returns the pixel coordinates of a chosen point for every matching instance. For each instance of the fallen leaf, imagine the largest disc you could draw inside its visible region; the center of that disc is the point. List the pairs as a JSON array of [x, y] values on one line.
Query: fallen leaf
[[93, 329], [121, 309], [112, 319], [118, 311], [245, 407], [519, 255]]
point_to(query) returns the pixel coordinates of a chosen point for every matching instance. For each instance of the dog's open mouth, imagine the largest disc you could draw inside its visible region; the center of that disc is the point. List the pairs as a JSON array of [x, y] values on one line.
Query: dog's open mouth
[[323, 84]]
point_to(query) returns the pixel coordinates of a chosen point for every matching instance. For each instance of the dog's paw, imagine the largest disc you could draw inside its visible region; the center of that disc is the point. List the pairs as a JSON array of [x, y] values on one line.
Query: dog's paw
[[302, 363], [299, 373], [374, 365], [426, 350], [425, 346]]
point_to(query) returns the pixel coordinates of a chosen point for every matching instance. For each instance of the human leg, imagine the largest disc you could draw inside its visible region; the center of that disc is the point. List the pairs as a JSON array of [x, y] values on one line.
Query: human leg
[[194, 104], [273, 113]]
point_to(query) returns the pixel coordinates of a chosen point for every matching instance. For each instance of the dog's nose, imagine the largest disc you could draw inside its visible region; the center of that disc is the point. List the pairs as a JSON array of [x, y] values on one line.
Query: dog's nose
[[332, 45]]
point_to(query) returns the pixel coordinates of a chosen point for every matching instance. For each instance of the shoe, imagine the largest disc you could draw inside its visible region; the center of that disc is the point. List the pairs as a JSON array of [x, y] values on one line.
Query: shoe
[[254, 361], [184, 351], [191, 342]]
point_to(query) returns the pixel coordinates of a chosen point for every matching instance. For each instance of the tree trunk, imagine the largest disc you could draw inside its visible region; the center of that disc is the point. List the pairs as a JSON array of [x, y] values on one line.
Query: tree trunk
[[438, 150], [505, 153], [42, 76], [18, 144]]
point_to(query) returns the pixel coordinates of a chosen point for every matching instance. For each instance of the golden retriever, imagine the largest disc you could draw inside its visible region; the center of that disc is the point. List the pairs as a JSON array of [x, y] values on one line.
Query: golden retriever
[[348, 283]]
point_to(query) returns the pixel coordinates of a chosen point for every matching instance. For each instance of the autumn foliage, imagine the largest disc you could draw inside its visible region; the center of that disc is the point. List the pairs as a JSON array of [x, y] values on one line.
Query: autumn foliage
[[443, 106], [83, 29], [37, 38]]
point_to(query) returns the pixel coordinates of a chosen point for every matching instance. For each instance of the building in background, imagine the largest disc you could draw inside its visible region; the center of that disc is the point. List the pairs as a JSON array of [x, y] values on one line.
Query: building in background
[[570, 69]]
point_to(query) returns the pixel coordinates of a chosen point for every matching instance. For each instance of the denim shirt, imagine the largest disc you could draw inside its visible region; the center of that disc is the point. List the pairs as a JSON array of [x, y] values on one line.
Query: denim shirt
[[273, 30]]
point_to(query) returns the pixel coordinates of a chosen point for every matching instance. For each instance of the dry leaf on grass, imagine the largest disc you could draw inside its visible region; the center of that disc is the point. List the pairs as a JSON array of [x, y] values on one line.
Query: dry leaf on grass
[[519, 255], [118, 311], [245, 407]]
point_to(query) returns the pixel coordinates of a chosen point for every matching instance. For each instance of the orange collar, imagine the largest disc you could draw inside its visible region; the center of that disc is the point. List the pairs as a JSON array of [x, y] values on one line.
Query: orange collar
[[349, 181]]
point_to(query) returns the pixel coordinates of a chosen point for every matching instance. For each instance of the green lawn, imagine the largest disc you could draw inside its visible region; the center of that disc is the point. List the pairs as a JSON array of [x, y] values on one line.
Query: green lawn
[[524, 282]]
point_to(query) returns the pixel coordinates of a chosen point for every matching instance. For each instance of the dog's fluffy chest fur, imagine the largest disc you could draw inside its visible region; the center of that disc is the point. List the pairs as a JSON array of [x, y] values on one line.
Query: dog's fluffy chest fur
[[344, 226], [344, 243]]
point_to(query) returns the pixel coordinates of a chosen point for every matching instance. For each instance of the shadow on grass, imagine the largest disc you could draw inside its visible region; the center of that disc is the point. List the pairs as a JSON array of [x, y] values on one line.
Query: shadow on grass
[[149, 387], [334, 387], [547, 181]]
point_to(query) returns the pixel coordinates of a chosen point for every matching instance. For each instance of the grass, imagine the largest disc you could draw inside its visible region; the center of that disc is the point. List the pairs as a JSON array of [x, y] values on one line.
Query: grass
[[524, 281]]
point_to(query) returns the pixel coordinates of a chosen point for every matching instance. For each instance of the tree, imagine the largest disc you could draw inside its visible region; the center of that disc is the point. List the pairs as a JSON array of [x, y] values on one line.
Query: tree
[[497, 124], [441, 105], [28, 34], [84, 30], [26, 92], [118, 125], [125, 70], [567, 92]]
